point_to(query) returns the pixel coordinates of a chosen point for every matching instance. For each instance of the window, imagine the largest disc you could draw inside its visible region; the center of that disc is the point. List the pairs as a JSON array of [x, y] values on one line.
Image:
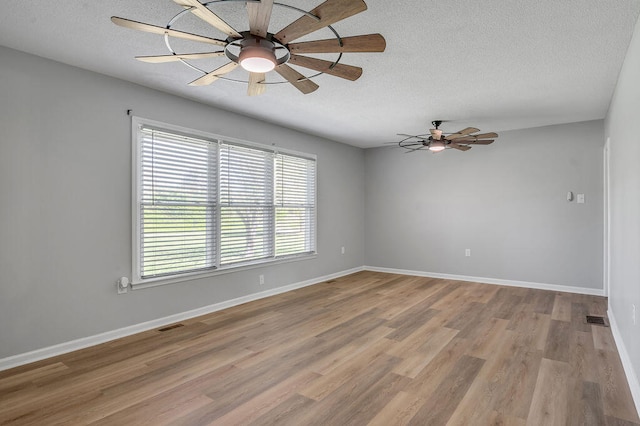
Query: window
[[205, 204]]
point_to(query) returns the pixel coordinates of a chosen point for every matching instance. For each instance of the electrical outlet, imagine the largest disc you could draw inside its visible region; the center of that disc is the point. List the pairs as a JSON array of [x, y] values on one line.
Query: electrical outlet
[[467, 252], [342, 250], [261, 279], [122, 285]]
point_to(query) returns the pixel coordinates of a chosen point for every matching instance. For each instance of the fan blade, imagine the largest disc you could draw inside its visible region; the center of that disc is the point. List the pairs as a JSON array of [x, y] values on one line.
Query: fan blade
[[414, 149], [414, 136], [362, 43], [301, 82], [135, 25], [204, 13], [256, 86], [339, 70], [468, 131], [459, 147], [485, 135], [173, 58], [329, 12], [481, 142], [461, 133], [464, 140], [259, 17], [410, 144], [214, 75]]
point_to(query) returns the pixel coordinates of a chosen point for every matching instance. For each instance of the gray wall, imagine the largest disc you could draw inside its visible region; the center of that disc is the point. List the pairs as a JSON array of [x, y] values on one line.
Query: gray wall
[[65, 204], [622, 129], [506, 202]]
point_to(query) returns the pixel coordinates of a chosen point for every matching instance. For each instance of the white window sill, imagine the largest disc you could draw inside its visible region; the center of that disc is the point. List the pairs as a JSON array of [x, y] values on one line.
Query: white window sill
[[138, 284]]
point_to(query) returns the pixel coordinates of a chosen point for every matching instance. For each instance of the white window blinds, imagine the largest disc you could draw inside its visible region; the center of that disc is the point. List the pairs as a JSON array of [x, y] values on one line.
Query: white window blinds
[[295, 205], [246, 199], [178, 204], [205, 204]]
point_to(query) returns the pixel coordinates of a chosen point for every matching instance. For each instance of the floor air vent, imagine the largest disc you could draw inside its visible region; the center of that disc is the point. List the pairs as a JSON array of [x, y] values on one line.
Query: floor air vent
[[596, 320], [170, 327]]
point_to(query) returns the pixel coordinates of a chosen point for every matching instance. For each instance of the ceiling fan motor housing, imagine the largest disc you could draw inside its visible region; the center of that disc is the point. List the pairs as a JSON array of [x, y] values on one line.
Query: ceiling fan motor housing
[[257, 54]]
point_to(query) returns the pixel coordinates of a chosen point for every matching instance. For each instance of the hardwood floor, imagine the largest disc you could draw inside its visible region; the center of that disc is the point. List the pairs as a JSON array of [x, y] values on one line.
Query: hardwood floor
[[369, 348]]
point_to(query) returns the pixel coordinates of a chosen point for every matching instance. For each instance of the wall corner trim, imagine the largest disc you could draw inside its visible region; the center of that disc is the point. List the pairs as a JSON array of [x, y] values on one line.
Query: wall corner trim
[[496, 281], [632, 378], [85, 342]]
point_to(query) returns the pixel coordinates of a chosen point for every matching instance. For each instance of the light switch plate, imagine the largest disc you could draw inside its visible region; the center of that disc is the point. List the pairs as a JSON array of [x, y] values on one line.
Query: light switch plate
[[580, 198]]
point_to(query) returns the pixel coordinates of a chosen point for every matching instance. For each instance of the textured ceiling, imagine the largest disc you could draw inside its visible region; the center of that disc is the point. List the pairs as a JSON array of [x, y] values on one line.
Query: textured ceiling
[[496, 65]]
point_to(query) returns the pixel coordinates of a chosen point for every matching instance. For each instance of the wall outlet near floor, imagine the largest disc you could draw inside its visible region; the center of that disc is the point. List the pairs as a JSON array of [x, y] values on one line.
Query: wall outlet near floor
[[342, 250], [467, 252], [261, 278]]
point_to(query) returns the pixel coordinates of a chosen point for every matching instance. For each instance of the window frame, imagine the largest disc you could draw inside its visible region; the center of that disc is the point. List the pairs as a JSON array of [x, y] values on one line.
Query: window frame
[[137, 281]]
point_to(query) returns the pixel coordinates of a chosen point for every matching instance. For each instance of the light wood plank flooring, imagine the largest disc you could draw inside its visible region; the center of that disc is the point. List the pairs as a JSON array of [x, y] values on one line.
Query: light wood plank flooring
[[369, 348]]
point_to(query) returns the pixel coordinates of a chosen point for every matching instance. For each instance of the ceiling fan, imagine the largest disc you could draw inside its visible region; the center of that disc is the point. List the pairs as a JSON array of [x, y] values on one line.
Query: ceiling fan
[[437, 141], [258, 51]]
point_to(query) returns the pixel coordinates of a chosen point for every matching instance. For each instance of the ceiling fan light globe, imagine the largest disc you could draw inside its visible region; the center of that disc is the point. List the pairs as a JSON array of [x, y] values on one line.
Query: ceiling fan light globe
[[436, 146], [257, 59]]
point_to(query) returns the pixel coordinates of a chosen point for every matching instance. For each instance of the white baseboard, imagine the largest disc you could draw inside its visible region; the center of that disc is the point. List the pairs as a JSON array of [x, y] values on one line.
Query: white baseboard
[[74, 345], [511, 283], [632, 378], [66, 347]]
